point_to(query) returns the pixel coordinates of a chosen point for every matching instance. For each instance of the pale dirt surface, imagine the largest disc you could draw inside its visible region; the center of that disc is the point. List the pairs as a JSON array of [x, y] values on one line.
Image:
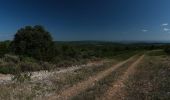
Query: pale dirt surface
[[115, 92], [45, 74], [83, 85], [40, 75], [5, 78]]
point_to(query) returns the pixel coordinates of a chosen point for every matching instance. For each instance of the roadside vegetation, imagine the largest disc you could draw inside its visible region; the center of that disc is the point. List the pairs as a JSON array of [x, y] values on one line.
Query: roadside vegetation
[[151, 80]]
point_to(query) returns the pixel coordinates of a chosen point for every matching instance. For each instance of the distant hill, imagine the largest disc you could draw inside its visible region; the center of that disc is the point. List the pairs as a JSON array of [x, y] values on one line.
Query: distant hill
[[115, 43]]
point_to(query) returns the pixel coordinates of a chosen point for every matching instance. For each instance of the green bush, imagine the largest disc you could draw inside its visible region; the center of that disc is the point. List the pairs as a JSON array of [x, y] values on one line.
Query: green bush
[[29, 66], [34, 42], [8, 69], [4, 48], [11, 58], [22, 77]]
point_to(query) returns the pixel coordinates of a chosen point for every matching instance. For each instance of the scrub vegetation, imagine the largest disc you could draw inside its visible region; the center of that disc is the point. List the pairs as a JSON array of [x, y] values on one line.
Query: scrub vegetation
[[36, 67]]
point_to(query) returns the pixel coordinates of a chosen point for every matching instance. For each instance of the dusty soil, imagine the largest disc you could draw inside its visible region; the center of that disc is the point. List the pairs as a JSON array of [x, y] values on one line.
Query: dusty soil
[[5, 78]]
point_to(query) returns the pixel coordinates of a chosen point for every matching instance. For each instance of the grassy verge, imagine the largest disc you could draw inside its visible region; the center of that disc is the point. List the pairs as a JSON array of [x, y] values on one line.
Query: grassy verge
[[102, 86], [151, 81]]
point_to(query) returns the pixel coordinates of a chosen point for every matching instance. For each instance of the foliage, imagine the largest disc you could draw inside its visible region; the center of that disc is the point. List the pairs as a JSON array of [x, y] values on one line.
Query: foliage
[[33, 42], [11, 58], [4, 48], [22, 77], [7, 69]]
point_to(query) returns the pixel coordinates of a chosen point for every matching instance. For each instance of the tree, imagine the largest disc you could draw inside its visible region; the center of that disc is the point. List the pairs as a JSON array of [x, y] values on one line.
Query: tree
[[34, 42], [4, 47]]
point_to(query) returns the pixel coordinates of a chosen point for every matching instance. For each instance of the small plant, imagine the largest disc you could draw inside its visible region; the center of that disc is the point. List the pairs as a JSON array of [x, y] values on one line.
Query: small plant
[[11, 58], [22, 77], [7, 69]]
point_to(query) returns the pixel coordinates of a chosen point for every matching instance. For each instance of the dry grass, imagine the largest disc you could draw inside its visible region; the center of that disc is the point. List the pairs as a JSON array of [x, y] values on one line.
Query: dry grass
[[151, 81]]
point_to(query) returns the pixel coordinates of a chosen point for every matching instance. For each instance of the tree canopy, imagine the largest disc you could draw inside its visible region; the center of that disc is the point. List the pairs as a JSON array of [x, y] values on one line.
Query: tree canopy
[[33, 41]]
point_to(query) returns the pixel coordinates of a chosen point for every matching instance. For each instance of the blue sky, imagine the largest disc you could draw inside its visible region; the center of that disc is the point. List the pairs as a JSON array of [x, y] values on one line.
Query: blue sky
[[71, 20]]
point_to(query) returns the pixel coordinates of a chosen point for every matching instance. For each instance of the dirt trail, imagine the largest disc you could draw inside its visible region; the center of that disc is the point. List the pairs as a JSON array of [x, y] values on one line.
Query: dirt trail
[[83, 85], [116, 92]]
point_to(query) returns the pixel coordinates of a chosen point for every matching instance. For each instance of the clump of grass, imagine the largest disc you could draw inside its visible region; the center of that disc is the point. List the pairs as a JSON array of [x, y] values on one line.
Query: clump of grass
[[22, 77]]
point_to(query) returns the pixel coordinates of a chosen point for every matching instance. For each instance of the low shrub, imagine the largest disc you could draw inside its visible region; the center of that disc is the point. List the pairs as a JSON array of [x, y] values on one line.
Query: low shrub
[[11, 58], [46, 66], [29, 66], [8, 69], [22, 77]]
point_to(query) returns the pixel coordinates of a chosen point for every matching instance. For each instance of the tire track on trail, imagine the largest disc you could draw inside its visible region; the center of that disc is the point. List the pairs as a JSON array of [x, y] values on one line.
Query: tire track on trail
[[115, 92], [83, 85]]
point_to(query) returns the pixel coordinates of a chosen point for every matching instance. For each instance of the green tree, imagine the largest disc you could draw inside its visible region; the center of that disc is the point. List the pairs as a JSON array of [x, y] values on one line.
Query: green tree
[[4, 47], [34, 42]]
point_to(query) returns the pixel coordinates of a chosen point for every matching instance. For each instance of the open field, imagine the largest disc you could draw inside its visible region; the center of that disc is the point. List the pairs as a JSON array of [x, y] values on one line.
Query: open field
[[139, 74]]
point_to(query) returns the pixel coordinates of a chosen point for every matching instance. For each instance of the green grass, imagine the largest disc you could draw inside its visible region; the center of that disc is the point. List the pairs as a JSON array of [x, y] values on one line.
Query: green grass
[[7, 69]]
